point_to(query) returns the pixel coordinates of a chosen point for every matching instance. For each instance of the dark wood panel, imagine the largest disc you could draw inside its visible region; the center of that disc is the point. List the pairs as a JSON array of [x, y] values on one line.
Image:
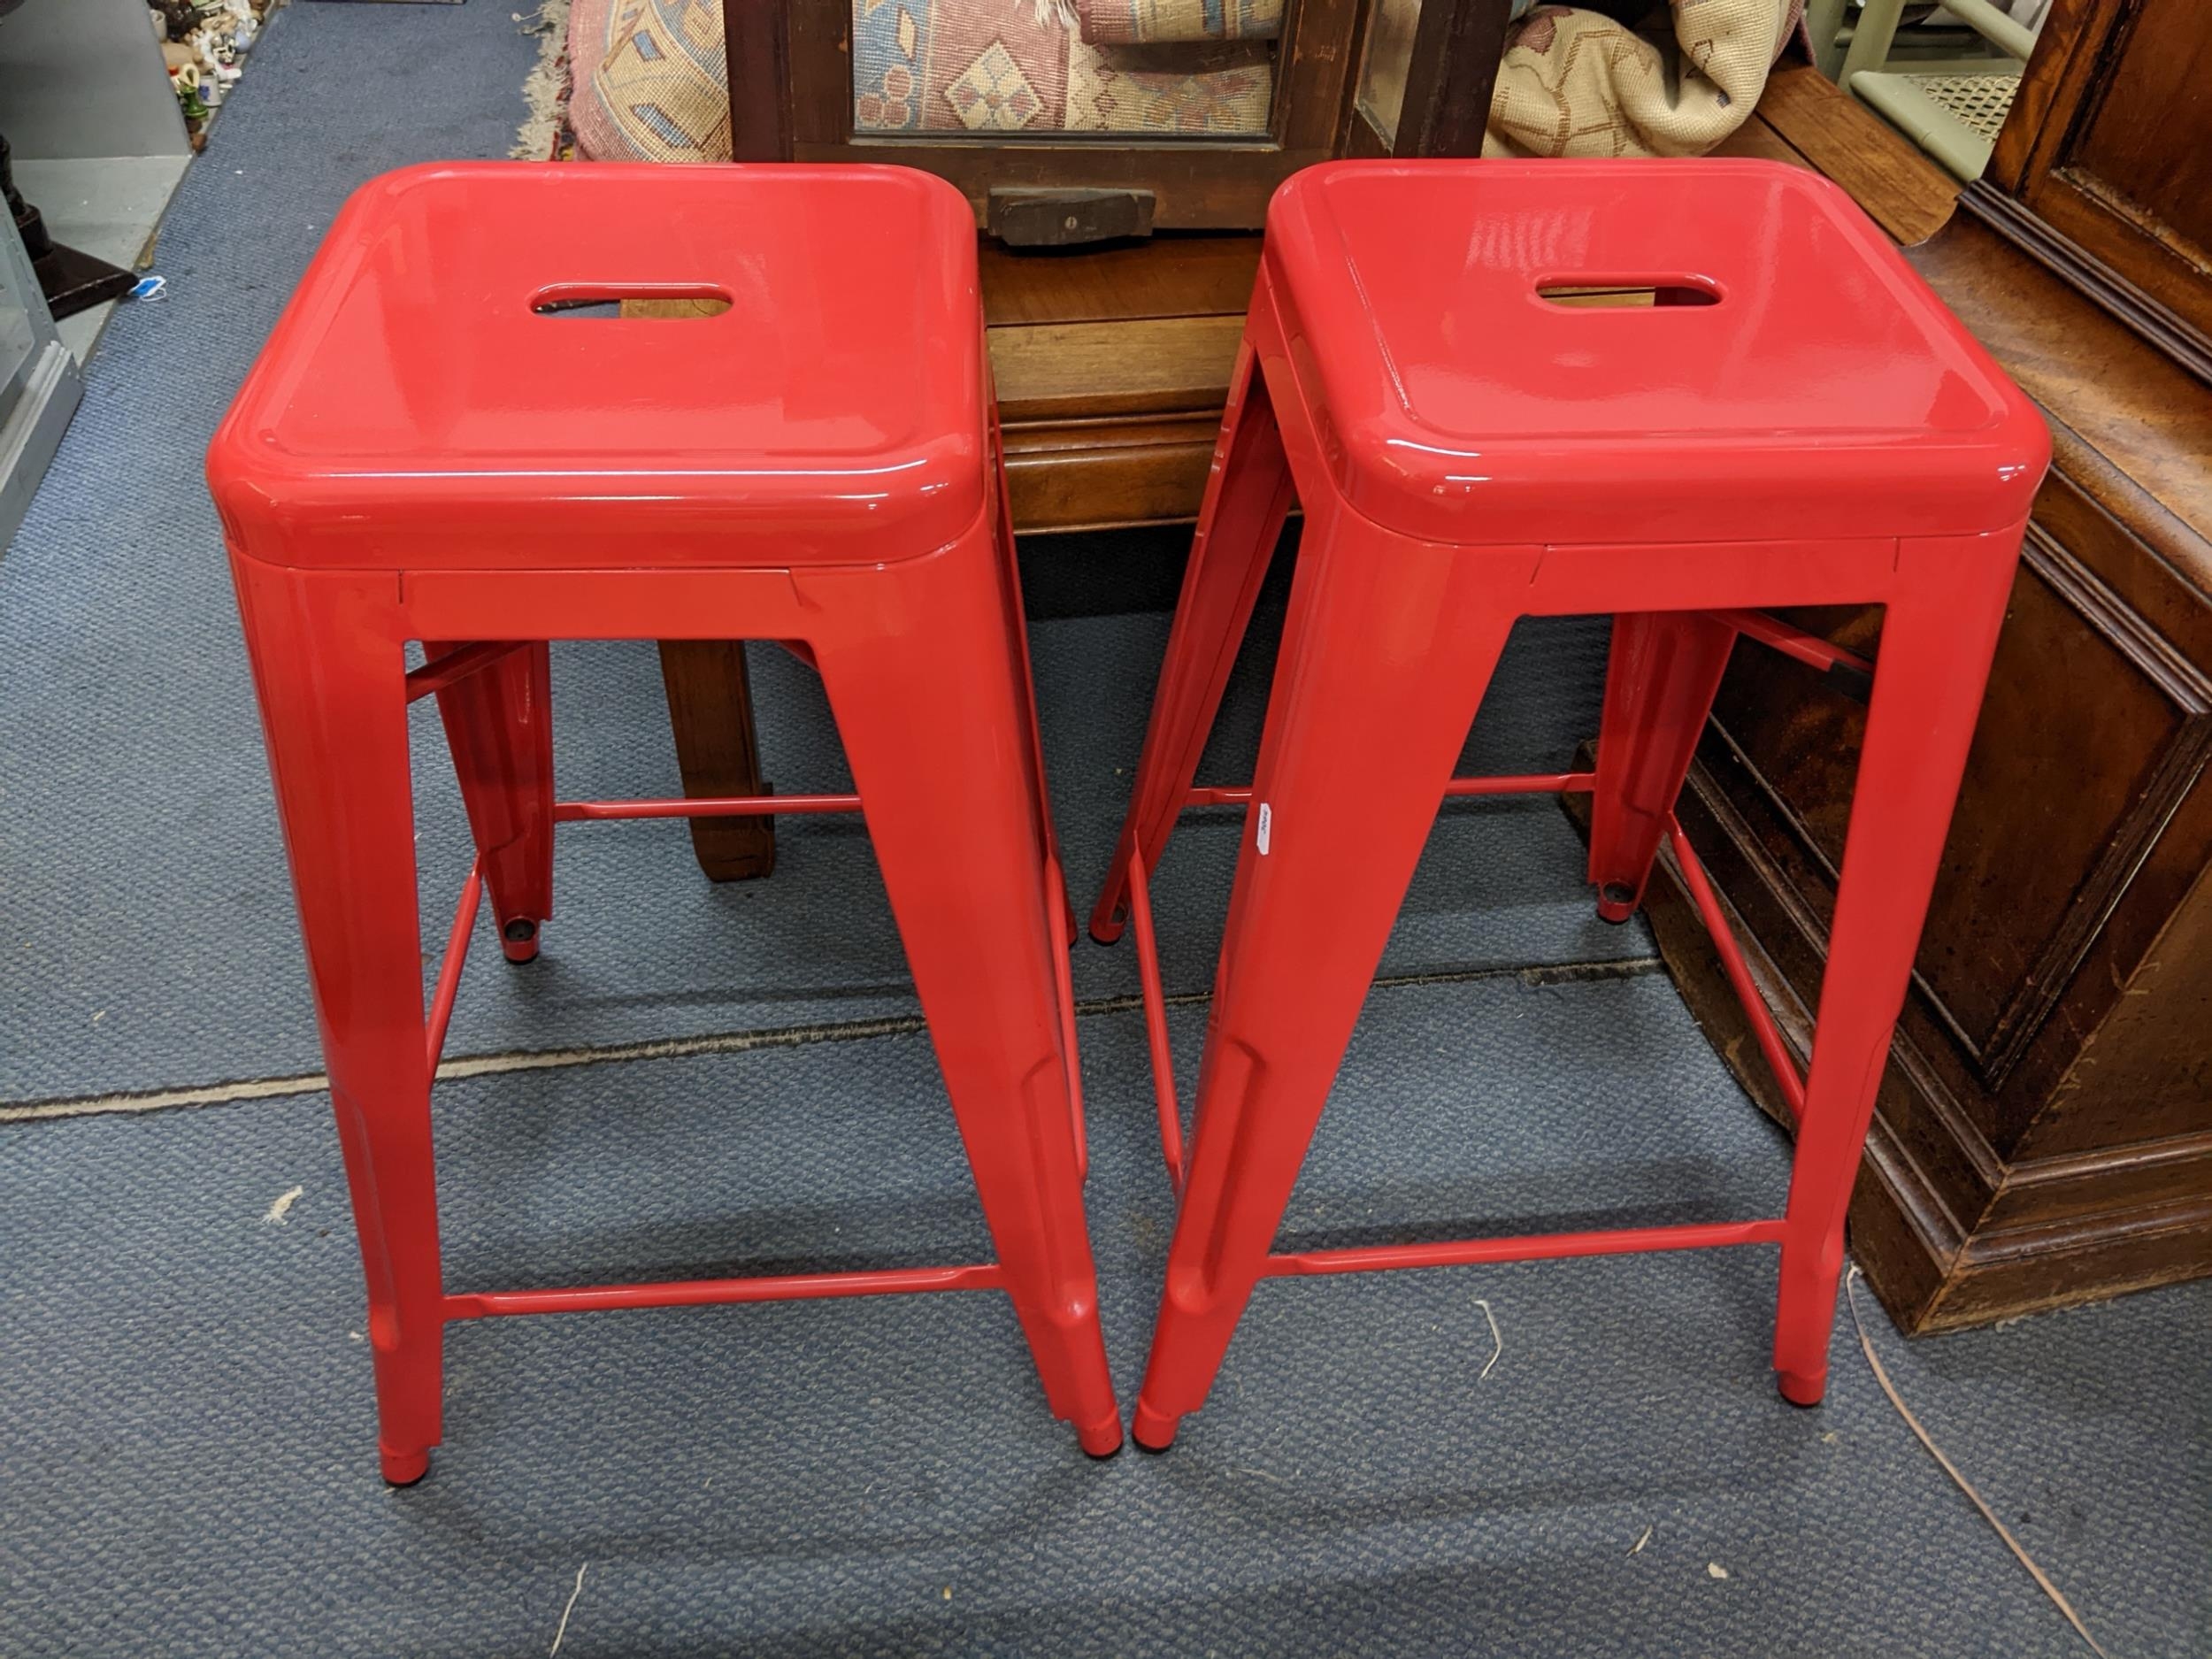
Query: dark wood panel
[[2155, 89], [2093, 732], [2149, 417], [2104, 171], [1449, 83], [711, 711], [2143, 1071], [1162, 366], [2053, 80], [1169, 276], [2148, 560], [756, 54], [1087, 475]]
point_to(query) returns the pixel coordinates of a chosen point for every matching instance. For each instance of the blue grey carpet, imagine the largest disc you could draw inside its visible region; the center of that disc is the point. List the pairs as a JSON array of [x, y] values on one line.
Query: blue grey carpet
[[186, 1442]]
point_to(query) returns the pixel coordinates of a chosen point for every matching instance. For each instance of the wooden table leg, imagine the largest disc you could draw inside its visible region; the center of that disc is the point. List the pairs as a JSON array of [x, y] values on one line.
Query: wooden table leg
[[711, 713]]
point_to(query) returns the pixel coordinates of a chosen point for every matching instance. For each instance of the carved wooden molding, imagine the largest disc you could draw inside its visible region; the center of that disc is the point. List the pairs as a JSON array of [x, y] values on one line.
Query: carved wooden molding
[[2164, 328], [2185, 686], [1928, 1240], [1993, 1057]]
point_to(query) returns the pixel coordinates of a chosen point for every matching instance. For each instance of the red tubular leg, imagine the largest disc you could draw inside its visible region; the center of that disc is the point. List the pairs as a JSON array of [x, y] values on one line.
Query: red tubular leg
[[498, 724], [1249, 493], [329, 671], [1768, 1034], [1388, 648], [933, 722], [1057, 880], [1166, 1104], [1659, 685], [1938, 636]]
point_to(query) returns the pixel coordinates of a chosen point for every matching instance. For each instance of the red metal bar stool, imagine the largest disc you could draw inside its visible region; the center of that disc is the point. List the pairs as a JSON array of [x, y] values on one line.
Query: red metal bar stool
[[430, 450], [1794, 420]]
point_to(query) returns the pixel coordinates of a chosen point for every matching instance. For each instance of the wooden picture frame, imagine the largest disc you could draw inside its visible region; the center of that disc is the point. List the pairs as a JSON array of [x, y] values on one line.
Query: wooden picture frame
[[800, 52]]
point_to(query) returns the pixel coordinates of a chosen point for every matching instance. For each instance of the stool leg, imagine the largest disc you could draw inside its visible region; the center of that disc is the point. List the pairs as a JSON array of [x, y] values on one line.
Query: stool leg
[[1389, 648], [1247, 495], [1937, 637], [709, 698], [1018, 641], [329, 669], [933, 722], [1660, 678], [499, 725]]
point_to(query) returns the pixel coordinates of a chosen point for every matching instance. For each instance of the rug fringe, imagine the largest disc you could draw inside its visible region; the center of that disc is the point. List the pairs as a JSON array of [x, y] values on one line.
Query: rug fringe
[[545, 91]]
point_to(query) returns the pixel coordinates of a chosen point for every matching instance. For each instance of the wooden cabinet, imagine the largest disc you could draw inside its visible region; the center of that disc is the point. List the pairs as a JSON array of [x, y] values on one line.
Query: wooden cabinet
[[2045, 1132], [2108, 161]]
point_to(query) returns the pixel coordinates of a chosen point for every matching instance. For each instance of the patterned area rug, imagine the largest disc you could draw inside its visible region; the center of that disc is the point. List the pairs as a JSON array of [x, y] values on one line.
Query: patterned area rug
[[982, 66]]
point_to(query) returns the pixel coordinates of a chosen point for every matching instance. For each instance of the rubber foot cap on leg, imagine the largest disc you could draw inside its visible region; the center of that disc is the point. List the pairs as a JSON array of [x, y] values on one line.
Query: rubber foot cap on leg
[[1800, 1391], [1100, 1441], [519, 939], [404, 1469], [1616, 903], [1152, 1431], [1105, 932]]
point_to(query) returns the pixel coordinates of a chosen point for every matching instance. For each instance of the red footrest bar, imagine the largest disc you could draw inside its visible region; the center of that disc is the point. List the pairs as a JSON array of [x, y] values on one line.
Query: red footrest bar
[[696, 1293], [703, 806], [1063, 989], [1541, 783], [1535, 1247], [457, 665], [457, 947], [984, 1275], [455, 958], [1732, 961], [1166, 1100], [1854, 674]]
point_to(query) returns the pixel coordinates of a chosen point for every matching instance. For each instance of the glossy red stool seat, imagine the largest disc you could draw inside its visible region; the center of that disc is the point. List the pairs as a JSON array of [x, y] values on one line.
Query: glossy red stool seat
[[1796, 421], [428, 450]]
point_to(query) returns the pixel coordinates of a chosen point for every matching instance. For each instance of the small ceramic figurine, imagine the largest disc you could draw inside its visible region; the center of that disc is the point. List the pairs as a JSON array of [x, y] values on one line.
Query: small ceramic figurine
[[238, 19], [183, 16], [218, 58], [186, 79]]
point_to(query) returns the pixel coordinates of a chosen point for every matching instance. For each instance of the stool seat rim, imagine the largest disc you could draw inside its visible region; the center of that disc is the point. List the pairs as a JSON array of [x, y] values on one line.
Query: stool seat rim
[[1820, 388], [434, 395]]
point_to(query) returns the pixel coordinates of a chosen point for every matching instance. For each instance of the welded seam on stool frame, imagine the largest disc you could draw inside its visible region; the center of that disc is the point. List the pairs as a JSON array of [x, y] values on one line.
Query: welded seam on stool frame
[[1535, 977]]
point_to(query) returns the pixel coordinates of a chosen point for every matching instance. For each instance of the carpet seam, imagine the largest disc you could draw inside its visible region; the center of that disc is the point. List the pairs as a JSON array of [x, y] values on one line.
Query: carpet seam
[[246, 1090]]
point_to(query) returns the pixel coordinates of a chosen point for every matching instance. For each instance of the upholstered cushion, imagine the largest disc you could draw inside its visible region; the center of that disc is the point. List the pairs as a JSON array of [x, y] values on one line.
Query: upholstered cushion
[[652, 83], [1133, 22], [1574, 84]]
